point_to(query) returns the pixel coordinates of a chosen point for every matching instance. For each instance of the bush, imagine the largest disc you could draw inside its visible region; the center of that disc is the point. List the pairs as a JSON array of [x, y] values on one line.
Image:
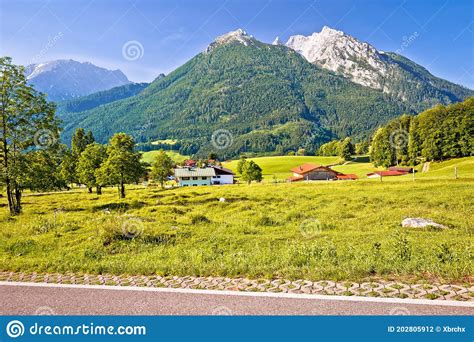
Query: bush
[[199, 219]]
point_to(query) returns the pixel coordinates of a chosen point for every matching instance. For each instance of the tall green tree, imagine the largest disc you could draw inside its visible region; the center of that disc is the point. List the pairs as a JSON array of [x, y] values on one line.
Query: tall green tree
[[381, 153], [414, 143], [78, 142], [400, 138], [251, 172], [68, 168], [122, 165], [162, 167], [241, 164], [43, 171], [90, 161], [346, 149], [332, 148], [89, 138], [27, 122], [362, 147]]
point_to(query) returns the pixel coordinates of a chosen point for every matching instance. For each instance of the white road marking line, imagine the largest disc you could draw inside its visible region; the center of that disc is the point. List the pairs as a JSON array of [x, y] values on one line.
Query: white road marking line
[[248, 294]]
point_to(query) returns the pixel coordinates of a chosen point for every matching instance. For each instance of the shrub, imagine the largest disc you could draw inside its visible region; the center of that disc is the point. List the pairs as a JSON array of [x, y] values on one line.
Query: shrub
[[266, 221], [195, 219]]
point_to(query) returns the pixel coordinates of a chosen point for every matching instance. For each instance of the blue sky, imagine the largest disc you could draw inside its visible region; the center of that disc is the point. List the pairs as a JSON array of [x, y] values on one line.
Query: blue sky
[[437, 34]]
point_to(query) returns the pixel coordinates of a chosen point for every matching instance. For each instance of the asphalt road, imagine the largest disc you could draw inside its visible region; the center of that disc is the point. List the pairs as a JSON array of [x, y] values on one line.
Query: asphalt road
[[30, 299]]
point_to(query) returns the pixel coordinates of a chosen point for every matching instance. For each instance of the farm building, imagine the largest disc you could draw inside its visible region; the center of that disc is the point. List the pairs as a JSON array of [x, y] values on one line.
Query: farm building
[[317, 172], [349, 176], [223, 176], [195, 176], [401, 169], [388, 173], [190, 163]]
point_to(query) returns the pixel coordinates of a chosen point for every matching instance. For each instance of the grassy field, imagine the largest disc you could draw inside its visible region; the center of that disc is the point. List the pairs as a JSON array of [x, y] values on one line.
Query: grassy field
[[280, 166], [320, 230], [150, 155], [164, 141], [445, 170]]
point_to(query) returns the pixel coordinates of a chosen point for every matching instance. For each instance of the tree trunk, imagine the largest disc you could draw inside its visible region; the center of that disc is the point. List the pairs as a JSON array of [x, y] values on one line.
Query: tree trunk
[[90, 190], [9, 195], [99, 190], [122, 188], [18, 200], [14, 200]]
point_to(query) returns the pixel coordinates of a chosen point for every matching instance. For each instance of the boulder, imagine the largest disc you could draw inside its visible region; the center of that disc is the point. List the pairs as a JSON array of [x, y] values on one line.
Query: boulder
[[419, 222]]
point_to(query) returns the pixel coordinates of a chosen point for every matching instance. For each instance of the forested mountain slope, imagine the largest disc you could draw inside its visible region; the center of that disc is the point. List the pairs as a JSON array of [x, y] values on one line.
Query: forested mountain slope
[[268, 97]]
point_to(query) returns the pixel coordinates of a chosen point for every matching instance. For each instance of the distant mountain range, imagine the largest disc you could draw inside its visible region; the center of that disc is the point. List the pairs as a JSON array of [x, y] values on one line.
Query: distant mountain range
[[268, 96], [67, 79]]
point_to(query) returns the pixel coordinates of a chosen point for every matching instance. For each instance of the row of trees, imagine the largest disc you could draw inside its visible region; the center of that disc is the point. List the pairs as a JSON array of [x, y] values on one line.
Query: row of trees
[[343, 148], [96, 165], [31, 156], [439, 133]]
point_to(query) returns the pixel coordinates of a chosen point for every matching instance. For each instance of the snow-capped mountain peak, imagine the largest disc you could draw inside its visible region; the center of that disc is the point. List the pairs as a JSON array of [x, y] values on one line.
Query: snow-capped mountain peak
[[341, 53], [65, 79]]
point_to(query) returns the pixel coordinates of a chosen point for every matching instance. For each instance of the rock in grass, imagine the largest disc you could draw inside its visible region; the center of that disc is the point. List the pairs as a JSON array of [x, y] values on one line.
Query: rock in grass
[[419, 222], [222, 199]]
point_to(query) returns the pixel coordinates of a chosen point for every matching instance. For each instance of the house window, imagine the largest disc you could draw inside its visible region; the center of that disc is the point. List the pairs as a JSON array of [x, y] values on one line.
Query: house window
[[184, 178], [195, 178], [195, 185], [218, 176], [203, 178]]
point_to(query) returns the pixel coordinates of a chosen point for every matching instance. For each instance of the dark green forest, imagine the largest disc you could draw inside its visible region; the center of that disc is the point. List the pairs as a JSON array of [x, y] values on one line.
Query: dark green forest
[[102, 97]]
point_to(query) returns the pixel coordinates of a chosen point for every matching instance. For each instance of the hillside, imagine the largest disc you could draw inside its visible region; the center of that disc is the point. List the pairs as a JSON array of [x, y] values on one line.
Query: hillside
[[94, 100], [66, 79], [149, 157], [269, 98]]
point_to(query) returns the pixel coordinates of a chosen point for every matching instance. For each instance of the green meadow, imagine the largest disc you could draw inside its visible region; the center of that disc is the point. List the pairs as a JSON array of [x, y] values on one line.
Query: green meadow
[[175, 155], [340, 230], [279, 167]]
